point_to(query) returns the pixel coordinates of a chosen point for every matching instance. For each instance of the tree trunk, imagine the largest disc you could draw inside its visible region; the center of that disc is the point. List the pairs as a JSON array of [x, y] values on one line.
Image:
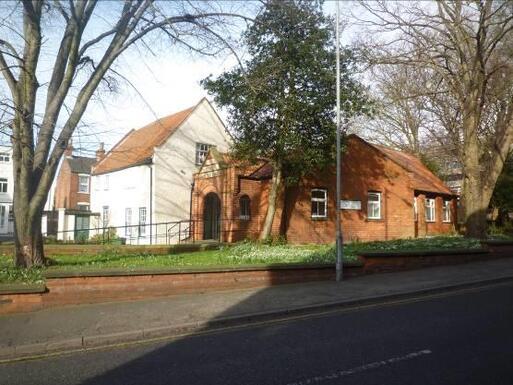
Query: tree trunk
[[475, 215], [28, 240], [276, 183]]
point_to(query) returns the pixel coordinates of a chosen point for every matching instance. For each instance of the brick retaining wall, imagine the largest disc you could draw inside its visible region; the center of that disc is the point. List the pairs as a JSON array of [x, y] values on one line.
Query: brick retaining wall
[[89, 287]]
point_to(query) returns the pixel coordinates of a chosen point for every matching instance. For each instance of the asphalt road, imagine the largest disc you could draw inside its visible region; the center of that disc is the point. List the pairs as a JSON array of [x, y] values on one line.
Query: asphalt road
[[464, 338]]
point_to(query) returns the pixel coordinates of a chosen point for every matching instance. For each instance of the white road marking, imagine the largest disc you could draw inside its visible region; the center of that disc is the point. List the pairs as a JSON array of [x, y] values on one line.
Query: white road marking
[[359, 369]]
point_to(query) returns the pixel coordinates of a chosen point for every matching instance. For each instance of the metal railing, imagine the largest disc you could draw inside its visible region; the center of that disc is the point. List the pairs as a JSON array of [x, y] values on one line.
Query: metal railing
[[173, 232], [150, 233]]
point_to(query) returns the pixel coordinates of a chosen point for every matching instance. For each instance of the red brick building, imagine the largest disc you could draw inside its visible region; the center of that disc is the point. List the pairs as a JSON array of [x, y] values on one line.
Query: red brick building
[[70, 213], [386, 194], [72, 188]]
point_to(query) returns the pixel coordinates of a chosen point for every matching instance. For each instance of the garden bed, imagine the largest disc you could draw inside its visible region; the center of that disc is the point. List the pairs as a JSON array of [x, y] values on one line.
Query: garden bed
[[225, 256]]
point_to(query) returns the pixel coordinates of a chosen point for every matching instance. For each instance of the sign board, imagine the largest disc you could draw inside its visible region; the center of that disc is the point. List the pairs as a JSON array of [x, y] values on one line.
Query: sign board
[[350, 205]]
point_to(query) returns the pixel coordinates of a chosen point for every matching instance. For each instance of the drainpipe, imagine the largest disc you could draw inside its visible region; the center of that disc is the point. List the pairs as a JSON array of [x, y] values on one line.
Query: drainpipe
[[151, 205], [191, 225]]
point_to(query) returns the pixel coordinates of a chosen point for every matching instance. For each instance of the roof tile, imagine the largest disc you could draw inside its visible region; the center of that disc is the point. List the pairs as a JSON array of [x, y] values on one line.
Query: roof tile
[[138, 145]]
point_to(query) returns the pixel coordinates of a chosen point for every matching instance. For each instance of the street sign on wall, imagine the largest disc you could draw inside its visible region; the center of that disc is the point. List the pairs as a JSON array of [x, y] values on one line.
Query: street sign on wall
[[350, 205]]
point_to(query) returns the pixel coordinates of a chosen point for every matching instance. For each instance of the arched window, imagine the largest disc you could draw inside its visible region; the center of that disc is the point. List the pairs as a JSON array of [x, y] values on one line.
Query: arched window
[[244, 204]]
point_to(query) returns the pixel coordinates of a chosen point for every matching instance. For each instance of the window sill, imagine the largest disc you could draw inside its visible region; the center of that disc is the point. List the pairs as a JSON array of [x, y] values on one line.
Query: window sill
[[319, 218], [430, 221], [244, 218], [375, 219]]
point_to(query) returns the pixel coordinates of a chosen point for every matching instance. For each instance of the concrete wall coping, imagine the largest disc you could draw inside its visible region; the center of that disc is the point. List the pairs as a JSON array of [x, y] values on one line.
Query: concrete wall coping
[[22, 288], [421, 253], [190, 270], [498, 242]]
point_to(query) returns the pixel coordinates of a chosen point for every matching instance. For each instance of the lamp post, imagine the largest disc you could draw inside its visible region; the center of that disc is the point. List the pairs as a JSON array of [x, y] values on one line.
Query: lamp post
[[339, 265]]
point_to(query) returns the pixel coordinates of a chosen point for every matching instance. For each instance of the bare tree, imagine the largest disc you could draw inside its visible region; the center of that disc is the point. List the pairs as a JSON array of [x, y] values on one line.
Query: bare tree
[[91, 35], [399, 114], [467, 49]]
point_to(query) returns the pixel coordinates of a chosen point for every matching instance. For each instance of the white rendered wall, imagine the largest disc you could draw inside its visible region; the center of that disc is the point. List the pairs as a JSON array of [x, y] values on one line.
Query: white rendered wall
[[175, 162], [173, 168], [127, 188], [6, 198]]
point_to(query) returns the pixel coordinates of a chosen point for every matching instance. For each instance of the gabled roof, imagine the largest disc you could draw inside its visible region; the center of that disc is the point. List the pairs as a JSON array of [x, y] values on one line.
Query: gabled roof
[[422, 179], [137, 146], [81, 164]]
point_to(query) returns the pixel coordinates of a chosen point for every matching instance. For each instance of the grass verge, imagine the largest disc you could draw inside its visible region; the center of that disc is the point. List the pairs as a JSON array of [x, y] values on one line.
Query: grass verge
[[244, 253]]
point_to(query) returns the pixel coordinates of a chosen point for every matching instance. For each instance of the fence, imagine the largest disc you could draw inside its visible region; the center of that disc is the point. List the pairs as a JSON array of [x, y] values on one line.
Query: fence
[[222, 230], [138, 234]]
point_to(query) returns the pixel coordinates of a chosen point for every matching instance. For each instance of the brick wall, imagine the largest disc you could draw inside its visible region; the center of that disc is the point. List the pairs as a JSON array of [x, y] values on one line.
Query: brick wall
[[66, 191], [364, 169]]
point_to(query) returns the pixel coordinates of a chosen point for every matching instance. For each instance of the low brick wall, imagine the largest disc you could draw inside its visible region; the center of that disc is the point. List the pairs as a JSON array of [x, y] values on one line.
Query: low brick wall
[[19, 298], [92, 287], [499, 247], [63, 288], [397, 261]]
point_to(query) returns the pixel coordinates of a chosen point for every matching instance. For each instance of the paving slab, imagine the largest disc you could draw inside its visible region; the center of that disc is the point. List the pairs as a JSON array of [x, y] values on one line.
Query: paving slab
[[84, 326]]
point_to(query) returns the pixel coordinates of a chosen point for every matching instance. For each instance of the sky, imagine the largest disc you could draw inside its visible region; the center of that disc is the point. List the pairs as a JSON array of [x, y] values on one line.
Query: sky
[[157, 83], [162, 85]]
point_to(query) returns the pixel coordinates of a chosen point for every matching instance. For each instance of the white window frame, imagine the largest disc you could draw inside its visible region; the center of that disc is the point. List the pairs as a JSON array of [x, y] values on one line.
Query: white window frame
[[246, 216], [84, 204], [201, 153], [319, 201], [105, 216], [128, 221], [415, 210], [4, 185], [142, 221], [373, 203], [430, 205], [81, 184], [5, 157], [446, 211], [3, 215]]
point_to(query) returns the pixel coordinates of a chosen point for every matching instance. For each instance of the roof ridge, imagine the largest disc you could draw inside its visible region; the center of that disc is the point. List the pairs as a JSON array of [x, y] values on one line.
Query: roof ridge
[[139, 144], [434, 179]]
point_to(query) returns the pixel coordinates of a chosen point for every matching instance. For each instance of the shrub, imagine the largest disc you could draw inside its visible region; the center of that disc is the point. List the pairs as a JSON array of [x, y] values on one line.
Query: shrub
[[109, 236]]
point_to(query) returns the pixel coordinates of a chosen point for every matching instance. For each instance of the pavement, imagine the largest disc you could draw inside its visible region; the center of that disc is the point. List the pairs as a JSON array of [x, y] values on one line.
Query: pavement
[[76, 328]]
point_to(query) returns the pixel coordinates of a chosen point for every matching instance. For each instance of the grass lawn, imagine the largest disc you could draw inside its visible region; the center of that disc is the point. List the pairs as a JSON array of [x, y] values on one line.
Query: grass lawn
[[245, 253]]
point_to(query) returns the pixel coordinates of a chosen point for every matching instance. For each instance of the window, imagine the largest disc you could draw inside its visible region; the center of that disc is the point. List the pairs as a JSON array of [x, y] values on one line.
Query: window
[[319, 203], [4, 157], [128, 221], [11, 214], [415, 210], [3, 185], [244, 203], [2, 216], [105, 182], [430, 210], [374, 205], [142, 220], [105, 216], [83, 183], [201, 152], [447, 211], [83, 207]]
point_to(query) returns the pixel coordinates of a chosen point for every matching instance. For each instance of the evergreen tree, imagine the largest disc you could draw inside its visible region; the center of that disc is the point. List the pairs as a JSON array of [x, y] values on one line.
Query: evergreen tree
[[281, 102]]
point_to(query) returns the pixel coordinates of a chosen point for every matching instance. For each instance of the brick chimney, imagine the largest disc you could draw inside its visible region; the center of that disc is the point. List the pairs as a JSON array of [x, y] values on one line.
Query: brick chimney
[[68, 152], [100, 153]]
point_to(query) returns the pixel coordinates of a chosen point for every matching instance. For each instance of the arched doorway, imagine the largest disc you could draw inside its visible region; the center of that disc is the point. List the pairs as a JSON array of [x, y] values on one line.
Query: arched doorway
[[212, 217]]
